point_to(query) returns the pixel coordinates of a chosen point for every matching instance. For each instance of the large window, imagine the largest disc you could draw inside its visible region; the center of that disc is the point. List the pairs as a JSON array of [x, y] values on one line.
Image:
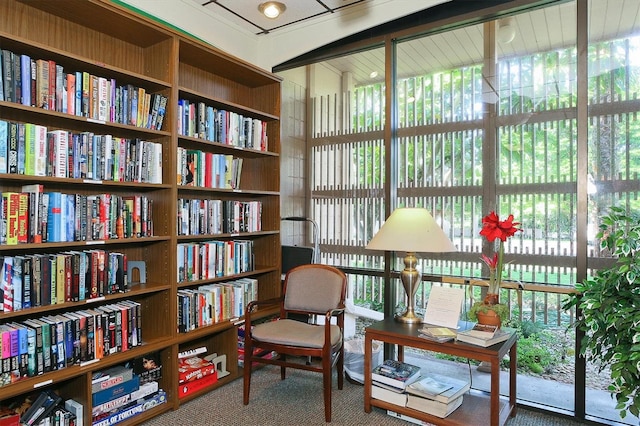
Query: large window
[[490, 116]]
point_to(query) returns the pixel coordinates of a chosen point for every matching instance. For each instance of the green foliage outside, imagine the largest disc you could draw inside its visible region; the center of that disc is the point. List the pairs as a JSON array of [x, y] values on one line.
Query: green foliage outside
[[610, 309], [538, 349]]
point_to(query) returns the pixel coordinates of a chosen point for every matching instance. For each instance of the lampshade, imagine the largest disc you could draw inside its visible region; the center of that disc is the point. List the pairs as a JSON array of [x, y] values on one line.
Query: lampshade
[[411, 230]]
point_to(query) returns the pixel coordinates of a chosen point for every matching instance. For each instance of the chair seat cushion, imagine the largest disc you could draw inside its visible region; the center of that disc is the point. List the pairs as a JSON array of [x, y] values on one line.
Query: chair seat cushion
[[294, 333]]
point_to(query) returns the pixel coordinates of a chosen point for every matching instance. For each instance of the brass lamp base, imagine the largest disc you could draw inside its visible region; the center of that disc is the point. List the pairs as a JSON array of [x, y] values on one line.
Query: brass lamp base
[[410, 279], [408, 318]]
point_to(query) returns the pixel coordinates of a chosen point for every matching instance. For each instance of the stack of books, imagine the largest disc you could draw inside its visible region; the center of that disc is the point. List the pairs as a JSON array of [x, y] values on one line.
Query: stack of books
[[437, 334], [401, 384], [436, 394], [484, 335], [390, 380]]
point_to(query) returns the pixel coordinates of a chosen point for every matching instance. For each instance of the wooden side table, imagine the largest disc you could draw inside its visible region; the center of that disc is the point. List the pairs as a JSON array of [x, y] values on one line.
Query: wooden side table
[[477, 407]]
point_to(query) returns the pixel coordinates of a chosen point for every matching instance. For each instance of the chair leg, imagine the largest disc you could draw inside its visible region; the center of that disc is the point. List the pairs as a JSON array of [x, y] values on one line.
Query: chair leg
[[247, 379], [340, 368], [283, 369], [326, 384]]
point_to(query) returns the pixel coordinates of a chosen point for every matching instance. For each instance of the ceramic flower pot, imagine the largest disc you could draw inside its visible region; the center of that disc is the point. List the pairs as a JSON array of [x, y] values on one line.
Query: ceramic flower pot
[[489, 318]]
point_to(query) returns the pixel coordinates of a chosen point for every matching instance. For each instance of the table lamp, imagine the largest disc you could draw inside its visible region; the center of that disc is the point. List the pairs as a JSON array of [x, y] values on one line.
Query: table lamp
[[411, 230]]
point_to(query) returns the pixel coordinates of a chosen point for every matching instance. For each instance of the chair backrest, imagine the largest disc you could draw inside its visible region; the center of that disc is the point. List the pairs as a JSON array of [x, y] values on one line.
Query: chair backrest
[[293, 256], [314, 288]]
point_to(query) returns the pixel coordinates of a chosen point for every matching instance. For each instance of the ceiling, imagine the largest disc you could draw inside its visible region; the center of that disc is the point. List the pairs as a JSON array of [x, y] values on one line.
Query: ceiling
[[245, 13], [543, 29], [539, 30]]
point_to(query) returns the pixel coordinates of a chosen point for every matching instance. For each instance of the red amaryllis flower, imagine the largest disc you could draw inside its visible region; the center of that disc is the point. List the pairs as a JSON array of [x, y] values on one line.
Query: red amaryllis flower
[[493, 227], [492, 263]]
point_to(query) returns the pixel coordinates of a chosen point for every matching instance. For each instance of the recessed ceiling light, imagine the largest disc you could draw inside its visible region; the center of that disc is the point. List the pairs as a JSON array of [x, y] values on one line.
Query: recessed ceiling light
[[272, 9], [373, 74]]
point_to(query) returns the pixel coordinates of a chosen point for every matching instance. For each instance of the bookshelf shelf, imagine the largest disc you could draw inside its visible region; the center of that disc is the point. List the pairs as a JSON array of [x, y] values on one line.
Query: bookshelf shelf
[[134, 50]]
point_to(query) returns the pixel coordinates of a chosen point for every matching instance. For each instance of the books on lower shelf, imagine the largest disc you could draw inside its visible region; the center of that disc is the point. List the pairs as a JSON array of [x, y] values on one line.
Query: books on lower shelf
[[433, 407], [395, 373], [474, 336], [385, 394], [439, 387], [434, 394]]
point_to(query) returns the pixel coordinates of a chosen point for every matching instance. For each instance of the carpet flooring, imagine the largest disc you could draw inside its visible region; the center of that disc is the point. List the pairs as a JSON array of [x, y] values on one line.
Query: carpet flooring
[[298, 401]]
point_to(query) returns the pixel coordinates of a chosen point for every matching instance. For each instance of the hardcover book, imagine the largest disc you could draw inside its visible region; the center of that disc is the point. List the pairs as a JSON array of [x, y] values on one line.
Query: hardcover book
[[433, 407], [387, 395], [396, 373], [500, 336]]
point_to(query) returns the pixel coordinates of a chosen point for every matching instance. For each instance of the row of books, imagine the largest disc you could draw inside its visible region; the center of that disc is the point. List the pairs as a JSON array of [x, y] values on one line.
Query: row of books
[[39, 345], [211, 259], [403, 384], [207, 217], [208, 170], [39, 279], [43, 83], [32, 149], [199, 120], [35, 216], [212, 303]]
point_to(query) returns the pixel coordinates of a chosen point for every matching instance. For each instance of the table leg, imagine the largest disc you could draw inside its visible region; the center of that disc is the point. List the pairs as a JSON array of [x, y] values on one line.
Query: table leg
[[513, 373], [495, 392], [367, 373]]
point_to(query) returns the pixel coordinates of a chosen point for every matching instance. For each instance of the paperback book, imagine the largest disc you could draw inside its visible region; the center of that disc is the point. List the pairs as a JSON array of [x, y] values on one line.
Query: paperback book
[[437, 334]]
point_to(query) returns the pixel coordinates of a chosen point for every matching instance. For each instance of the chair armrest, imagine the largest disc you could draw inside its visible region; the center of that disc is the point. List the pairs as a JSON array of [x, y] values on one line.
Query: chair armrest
[[253, 305], [334, 313], [257, 303]]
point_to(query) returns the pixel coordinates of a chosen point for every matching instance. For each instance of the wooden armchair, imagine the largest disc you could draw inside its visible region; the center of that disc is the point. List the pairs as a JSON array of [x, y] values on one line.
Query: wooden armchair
[[312, 289]]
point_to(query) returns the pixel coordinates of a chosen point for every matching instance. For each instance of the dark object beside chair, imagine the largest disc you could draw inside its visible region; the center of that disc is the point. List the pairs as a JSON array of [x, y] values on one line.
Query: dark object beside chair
[[312, 289]]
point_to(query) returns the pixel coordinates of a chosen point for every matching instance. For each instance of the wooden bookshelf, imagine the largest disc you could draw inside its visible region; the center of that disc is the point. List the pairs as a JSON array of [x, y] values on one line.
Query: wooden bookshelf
[[104, 39]]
